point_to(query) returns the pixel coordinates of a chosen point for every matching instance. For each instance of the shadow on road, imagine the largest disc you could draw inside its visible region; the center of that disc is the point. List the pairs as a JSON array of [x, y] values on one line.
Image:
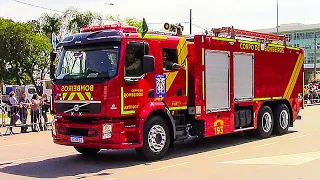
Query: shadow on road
[[102, 163]]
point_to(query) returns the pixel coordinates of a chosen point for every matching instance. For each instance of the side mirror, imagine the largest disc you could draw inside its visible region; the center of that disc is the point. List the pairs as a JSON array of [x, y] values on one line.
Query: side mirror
[[147, 64], [52, 71]]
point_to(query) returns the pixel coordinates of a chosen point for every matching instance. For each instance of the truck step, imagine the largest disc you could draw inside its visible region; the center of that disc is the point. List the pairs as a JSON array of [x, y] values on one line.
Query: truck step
[[182, 132]]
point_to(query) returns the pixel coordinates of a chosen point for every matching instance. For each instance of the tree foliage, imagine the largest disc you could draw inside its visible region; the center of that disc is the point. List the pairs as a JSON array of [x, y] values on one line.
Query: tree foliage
[[82, 19], [50, 24], [24, 52]]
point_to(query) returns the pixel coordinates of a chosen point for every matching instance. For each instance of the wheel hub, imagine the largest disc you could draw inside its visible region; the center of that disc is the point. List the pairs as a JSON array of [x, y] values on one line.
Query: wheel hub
[[284, 119], [157, 138], [266, 122]]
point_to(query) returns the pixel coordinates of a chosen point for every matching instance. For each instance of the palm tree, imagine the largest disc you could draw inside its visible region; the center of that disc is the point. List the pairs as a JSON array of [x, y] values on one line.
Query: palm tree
[[81, 20], [51, 24]]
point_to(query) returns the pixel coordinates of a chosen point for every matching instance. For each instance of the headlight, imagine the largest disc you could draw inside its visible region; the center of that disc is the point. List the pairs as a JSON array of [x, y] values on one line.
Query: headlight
[[106, 131], [53, 125]]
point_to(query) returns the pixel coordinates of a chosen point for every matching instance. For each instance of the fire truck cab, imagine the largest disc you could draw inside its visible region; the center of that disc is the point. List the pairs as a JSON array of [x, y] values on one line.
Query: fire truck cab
[[114, 89]]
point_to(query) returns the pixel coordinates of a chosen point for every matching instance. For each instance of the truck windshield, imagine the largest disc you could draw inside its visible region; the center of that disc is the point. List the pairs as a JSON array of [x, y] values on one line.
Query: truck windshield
[[86, 63]]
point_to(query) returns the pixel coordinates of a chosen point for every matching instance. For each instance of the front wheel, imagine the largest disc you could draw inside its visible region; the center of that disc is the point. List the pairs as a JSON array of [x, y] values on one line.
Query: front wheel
[[87, 151], [265, 122], [156, 139]]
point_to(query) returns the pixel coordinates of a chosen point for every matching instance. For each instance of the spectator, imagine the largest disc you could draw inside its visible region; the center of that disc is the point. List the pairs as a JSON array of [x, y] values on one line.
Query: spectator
[[45, 104], [35, 107], [24, 105], [14, 108]]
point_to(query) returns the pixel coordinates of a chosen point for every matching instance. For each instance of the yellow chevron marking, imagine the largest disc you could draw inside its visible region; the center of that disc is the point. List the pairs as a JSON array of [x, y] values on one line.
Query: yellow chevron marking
[[88, 94], [64, 95], [294, 77], [80, 96], [182, 50], [71, 96], [170, 78]]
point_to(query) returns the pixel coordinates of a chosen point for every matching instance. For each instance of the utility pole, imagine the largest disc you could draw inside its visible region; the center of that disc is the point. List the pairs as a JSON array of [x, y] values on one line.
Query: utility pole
[[315, 55], [190, 21], [277, 17]]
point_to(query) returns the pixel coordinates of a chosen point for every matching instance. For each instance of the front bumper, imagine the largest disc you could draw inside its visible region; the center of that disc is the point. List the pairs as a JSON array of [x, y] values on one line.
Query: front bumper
[[122, 137]]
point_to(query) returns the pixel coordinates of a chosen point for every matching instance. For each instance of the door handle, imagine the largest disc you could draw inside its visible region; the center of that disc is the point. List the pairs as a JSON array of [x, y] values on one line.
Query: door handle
[[179, 92], [151, 93]]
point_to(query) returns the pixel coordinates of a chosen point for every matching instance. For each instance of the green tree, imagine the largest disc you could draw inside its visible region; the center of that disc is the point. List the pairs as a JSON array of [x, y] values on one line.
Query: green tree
[[82, 19], [50, 24], [24, 52]]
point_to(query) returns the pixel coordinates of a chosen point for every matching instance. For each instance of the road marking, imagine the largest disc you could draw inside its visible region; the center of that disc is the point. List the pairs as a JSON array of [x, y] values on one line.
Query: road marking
[[23, 159], [266, 144], [8, 145], [169, 166], [223, 154], [290, 159], [300, 136]]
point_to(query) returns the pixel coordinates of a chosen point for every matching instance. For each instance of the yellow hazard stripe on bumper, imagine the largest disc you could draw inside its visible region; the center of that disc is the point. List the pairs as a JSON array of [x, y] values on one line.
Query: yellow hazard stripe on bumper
[[294, 77]]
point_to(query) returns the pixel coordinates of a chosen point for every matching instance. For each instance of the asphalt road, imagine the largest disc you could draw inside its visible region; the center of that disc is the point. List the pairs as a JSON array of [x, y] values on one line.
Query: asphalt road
[[292, 156]]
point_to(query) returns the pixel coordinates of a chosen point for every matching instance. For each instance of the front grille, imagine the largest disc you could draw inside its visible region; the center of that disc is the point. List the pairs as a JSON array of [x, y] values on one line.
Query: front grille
[[78, 132], [92, 108]]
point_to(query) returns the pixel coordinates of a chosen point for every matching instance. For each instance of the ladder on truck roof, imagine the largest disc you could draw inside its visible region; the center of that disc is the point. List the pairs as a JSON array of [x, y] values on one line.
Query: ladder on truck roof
[[244, 34]]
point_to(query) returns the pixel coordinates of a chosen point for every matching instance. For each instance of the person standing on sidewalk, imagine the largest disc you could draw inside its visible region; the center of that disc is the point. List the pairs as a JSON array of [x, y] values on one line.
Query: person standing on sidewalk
[[45, 104], [35, 111], [14, 108], [24, 105]]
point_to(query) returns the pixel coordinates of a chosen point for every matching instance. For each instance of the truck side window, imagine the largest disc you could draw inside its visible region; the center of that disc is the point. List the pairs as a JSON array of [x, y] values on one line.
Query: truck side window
[[170, 59], [133, 63]]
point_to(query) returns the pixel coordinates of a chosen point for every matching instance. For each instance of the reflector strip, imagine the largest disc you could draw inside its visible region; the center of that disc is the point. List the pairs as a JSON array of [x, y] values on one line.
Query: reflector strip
[[250, 42], [293, 48], [122, 105], [178, 108], [225, 39], [153, 37], [262, 99]]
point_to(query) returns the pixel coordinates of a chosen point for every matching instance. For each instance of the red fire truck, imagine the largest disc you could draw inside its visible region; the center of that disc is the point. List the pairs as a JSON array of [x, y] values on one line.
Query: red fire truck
[[114, 89]]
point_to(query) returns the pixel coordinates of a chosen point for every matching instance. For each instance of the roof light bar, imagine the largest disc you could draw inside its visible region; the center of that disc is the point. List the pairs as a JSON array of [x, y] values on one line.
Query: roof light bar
[[125, 29]]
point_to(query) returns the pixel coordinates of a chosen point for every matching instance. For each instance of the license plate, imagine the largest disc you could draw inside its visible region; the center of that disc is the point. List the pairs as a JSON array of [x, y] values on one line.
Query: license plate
[[76, 139]]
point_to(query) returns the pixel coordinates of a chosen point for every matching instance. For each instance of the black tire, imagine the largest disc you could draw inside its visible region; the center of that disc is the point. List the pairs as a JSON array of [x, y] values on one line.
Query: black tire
[[265, 132], [150, 152], [281, 126], [87, 151]]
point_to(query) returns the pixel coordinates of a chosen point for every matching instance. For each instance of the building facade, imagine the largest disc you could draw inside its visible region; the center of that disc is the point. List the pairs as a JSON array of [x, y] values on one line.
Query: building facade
[[304, 36]]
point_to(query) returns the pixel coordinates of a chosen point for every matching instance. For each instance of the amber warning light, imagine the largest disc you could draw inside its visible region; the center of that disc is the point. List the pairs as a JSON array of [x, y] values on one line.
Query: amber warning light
[[125, 29]]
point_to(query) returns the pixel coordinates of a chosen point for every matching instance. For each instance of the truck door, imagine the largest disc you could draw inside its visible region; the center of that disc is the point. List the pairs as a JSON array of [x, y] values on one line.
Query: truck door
[[137, 86], [175, 69]]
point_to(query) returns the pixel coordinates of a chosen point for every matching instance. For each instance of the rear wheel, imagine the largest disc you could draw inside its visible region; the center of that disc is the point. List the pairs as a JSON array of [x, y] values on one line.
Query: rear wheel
[[156, 139], [87, 151], [282, 118], [265, 122]]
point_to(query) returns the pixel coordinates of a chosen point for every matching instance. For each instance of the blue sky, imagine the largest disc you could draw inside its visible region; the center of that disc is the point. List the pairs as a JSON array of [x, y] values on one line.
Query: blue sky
[[242, 14]]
